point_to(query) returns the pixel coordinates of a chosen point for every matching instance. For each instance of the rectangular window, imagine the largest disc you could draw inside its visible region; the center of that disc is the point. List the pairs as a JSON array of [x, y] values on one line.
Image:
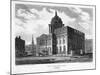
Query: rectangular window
[[60, 49], [64, 49], [63, 40], [60, 41]]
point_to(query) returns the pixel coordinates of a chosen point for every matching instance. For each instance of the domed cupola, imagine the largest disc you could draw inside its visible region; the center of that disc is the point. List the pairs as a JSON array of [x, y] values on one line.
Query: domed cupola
[[56, 22], [56, 19]]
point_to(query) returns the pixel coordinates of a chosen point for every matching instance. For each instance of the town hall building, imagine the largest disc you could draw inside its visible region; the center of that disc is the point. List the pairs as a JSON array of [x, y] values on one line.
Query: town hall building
[[61, 40]]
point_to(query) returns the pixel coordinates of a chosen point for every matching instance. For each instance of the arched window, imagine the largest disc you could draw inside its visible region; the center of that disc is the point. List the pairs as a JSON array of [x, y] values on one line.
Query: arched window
[[60, 41], [63, 40], [50, 49], [57, 41], [64, 49], [57, 49], [60, 49]]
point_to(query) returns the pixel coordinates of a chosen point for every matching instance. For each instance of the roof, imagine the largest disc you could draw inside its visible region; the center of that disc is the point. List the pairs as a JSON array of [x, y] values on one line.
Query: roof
[[61, 30], [45, 36], [70, 29]]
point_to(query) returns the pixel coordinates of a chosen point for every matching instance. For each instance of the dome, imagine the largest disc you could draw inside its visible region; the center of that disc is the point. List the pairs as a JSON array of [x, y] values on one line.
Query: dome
[[56, 19]]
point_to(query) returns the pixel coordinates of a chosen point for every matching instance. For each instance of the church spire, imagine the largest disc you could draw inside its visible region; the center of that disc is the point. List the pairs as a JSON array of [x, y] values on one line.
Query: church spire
[[32, 40], [33, 47], [55, 13]]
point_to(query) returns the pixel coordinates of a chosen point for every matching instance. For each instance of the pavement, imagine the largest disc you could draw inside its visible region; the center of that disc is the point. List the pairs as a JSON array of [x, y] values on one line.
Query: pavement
[[41, 58], [52, 59]]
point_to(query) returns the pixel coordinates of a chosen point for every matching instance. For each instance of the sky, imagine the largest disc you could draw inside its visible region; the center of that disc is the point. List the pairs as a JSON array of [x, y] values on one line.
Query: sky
[[34, 19]]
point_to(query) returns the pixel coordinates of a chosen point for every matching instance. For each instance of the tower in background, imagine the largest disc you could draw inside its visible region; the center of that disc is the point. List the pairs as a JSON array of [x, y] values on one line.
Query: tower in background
[[33, 47]]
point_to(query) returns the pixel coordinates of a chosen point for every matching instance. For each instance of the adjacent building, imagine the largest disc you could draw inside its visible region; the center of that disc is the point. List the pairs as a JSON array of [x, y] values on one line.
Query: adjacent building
[[89, 46], [19, 47], [44, 45]]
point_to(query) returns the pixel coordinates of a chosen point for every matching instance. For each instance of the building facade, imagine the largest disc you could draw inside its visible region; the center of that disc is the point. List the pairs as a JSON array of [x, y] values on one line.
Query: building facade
[[61, 40], [76, 41], [44, 45], [19, 47], [88, 46]]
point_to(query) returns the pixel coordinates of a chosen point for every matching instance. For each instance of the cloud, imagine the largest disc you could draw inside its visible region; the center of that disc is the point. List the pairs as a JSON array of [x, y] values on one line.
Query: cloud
[[38, 26], [34, 25], [37, 21], [83, 16], [65, 18], [83, 21], [25, 14]]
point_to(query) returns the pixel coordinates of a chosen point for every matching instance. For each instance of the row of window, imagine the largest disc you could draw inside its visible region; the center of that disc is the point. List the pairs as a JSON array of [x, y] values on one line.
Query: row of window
[[61, 49], [61, 41]]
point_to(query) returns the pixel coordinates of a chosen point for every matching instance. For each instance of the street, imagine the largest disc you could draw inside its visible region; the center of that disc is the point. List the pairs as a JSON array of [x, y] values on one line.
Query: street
[[52, 59]]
